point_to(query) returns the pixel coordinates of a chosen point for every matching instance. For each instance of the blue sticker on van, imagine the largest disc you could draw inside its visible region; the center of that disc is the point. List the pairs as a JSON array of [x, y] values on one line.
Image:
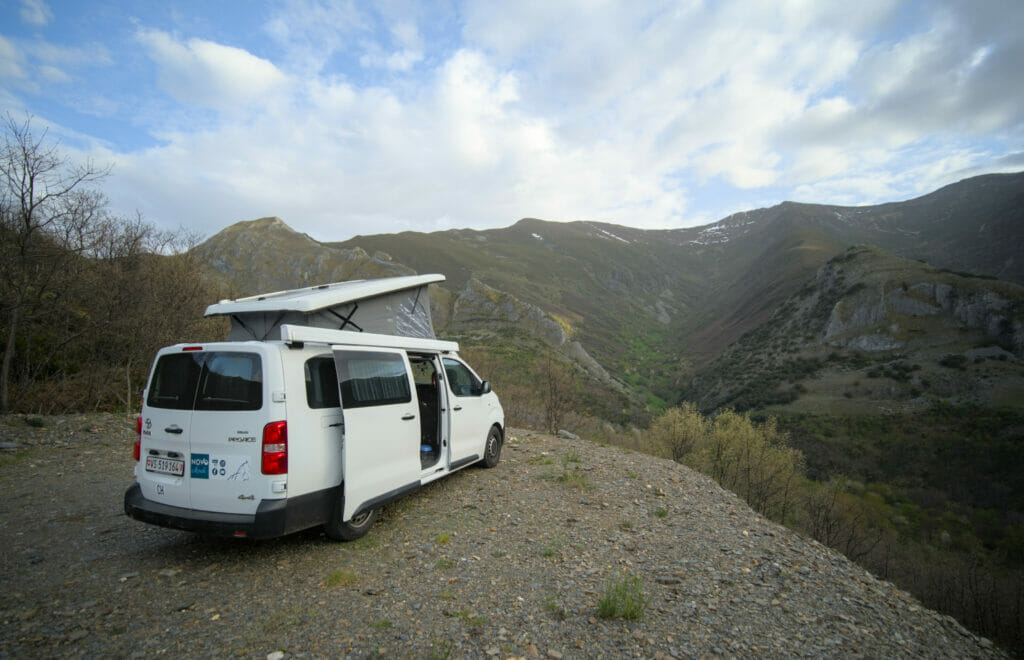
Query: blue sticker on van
[[200, 466]]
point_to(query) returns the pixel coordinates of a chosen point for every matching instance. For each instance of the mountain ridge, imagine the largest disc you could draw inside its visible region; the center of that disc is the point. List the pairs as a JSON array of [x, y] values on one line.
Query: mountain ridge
[[651, 307]]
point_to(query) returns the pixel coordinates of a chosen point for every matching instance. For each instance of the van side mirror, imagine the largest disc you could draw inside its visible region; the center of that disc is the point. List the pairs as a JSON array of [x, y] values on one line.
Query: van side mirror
[[485, 387]]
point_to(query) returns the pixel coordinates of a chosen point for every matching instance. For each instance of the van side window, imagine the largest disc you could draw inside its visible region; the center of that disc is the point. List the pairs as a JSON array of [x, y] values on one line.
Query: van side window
[[372, 379], [322, 383], [460, 379]]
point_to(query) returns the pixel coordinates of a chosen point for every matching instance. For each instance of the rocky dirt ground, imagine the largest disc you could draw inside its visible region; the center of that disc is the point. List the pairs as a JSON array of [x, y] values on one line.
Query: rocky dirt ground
[[509, 562]]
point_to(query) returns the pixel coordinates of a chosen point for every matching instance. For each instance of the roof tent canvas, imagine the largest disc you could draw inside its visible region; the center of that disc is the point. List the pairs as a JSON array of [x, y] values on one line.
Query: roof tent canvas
[[389, 306]]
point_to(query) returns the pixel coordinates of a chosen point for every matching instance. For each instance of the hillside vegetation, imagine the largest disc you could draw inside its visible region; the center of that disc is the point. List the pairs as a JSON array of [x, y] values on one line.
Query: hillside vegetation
[[86, 297]]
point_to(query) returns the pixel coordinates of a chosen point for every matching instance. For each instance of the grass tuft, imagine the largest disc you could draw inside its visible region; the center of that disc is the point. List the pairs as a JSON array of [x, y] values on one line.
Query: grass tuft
[[574, 479], [623, 598], [555, 606], [340, 578]]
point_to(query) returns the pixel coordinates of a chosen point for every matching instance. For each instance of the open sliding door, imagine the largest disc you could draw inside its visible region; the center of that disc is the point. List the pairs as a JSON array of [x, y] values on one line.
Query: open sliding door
[[382, 429]]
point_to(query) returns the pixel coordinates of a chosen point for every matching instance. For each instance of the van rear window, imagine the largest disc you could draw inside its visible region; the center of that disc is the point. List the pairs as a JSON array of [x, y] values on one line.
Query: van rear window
[[217, 380]]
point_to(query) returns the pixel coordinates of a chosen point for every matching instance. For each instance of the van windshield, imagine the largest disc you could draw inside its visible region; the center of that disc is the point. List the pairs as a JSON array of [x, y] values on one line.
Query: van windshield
[[218, 380]]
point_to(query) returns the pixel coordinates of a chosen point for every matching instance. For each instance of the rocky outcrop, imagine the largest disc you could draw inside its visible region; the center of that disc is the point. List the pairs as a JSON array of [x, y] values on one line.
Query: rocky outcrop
[[479, 305], [579, 354], [879, 312], [883, 308]]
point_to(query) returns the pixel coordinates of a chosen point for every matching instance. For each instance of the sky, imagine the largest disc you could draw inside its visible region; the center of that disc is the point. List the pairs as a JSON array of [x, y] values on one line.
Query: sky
[[348, 118]]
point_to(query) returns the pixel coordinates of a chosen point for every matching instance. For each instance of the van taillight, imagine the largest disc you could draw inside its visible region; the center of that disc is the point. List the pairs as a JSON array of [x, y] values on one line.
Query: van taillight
[[275, 448], [137, 451]]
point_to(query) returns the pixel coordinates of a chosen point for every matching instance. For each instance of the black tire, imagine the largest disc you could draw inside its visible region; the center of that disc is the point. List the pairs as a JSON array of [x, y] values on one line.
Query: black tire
[[338, 530], [492, 449]]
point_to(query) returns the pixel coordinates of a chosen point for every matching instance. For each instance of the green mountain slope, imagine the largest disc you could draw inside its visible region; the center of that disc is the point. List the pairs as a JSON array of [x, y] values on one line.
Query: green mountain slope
[[266, 255], [874, 332], [648, 308]]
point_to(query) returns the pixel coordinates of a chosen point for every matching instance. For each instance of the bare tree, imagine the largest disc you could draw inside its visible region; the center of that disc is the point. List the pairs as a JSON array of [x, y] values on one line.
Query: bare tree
[[557, 387], [49, 216]]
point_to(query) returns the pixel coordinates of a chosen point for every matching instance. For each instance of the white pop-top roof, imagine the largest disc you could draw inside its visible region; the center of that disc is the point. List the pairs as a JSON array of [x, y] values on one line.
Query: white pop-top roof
[[313, 298]]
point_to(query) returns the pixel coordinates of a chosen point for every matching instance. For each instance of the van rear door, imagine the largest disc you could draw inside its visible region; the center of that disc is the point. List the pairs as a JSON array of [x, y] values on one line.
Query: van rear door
[[382, 430], [226, 433], [166, 425]]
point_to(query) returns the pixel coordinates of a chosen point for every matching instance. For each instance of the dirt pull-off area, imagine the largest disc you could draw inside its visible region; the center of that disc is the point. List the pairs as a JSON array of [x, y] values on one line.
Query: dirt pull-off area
[[510, 562]]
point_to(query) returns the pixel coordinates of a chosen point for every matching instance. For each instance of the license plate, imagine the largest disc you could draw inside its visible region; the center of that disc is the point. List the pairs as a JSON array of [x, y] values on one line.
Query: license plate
[[165, 466]]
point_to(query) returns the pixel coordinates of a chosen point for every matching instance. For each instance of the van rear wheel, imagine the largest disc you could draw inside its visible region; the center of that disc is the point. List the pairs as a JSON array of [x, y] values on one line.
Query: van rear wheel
[[339, 530]]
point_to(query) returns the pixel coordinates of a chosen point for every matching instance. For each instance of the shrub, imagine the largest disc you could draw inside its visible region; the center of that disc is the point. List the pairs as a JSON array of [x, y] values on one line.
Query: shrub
[[678, 430], [750, 459]]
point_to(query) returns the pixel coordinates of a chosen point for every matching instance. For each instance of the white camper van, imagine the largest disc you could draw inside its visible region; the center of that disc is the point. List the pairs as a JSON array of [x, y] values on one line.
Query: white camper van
[[322, 405]]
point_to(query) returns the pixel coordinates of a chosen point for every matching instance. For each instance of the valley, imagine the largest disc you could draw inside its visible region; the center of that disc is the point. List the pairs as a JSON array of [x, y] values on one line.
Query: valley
[[885, 342]]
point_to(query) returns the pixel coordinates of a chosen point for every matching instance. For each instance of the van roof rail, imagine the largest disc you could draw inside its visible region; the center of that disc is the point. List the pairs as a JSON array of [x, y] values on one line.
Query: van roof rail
[[296, 334]]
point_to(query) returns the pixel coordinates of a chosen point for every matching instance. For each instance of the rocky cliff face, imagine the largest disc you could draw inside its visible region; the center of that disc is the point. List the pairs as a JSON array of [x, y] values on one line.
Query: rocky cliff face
[[480, 306], [891, 304]]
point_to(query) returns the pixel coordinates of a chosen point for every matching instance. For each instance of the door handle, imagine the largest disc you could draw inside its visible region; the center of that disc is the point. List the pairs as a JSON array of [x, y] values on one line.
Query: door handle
[[408, 416], [457, 408], [174, 429]]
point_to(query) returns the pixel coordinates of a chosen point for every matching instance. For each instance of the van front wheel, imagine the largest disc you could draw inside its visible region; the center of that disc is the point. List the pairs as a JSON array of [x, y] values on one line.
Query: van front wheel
[[339, 530], [492, 450]]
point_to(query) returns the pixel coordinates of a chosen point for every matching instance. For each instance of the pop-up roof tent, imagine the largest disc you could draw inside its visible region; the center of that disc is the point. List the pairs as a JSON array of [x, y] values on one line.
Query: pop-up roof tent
[[389, 306]]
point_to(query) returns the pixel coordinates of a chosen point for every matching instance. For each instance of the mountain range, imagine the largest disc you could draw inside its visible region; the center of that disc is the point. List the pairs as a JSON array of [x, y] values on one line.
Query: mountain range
[[784, 306]]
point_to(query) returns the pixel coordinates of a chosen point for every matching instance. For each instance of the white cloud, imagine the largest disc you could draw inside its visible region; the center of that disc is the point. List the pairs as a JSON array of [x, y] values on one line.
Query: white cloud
[[409, 50], [11, 60], [35, 12], [53, 74], [93, 54], [312, 33], [209, 74], [364, 122]]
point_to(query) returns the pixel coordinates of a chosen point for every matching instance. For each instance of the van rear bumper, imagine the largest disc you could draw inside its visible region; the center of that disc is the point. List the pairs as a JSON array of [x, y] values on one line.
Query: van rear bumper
[[272, 518]]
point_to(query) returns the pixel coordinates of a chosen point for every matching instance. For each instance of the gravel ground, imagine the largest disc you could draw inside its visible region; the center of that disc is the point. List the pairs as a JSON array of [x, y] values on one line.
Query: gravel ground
[[509, 562]]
